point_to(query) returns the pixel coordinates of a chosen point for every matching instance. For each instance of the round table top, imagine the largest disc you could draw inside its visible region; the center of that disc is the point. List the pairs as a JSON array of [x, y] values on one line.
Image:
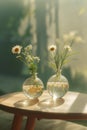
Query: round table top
[[73, 103]]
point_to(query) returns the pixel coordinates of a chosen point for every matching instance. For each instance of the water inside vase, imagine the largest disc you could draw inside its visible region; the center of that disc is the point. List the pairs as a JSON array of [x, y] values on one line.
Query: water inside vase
[[57, 86], [32, 91]]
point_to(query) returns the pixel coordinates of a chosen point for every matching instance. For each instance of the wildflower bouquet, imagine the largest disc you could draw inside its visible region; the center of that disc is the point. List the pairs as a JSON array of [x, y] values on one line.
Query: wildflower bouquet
[[61, 51], [25, 54]]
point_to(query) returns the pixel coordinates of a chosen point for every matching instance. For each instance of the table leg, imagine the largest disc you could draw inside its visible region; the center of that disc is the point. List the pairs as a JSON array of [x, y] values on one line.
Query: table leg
[[17, 121], [30, 123]]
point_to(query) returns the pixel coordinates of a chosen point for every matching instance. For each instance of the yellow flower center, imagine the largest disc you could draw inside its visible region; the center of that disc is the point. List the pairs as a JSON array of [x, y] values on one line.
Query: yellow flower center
[[16, 49], [52, 48]]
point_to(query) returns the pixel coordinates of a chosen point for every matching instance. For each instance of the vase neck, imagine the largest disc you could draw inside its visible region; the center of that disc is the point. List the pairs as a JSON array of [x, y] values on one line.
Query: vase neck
[[34, 75], [58, 73]]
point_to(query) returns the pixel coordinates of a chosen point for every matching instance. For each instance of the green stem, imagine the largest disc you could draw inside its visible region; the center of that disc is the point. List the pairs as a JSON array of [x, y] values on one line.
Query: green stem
[[58, 73]]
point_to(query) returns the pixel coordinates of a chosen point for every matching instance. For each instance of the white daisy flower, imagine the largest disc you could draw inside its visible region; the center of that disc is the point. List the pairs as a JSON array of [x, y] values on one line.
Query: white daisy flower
[[65, 37], [37, 59], [28, 48], [16, 49], [52, 47], [72, 34], [67, 47], [78, 39]]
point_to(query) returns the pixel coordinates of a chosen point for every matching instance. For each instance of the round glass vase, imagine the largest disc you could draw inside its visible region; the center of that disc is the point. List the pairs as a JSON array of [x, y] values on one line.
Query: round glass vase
[[33, 88], [57, 86]]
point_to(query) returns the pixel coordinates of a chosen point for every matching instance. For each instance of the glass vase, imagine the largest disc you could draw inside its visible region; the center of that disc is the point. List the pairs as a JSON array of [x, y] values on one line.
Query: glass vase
[[32, 88], [57, 87]]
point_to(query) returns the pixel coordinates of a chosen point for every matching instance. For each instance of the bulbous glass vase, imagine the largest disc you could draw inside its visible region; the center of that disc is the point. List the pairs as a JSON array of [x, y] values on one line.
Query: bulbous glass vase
[[57, 87], [33, 87]]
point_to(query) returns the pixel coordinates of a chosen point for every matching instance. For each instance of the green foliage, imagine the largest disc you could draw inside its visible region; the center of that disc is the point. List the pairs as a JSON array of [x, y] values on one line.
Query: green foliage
[[61, 52], [25, 54]]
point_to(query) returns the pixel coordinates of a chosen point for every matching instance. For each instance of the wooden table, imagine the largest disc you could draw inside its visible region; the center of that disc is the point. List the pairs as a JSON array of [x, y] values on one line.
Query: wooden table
[[72, 106]]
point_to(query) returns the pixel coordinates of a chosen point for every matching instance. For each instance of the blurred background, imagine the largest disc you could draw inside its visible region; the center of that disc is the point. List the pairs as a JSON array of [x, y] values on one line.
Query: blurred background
[[39, 22]]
